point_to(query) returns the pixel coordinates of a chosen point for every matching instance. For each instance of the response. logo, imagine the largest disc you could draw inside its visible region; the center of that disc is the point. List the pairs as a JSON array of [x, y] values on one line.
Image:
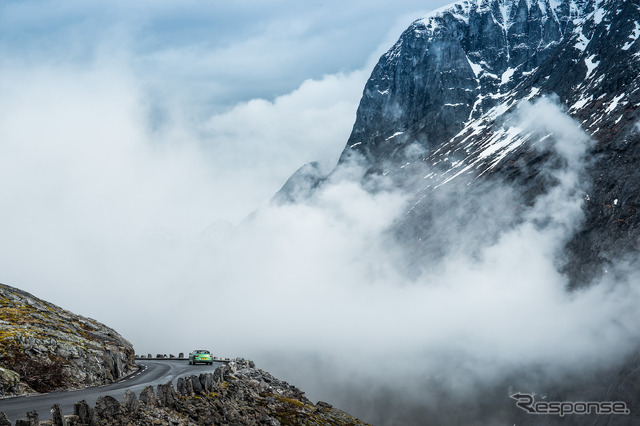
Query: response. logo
[[527, 402]]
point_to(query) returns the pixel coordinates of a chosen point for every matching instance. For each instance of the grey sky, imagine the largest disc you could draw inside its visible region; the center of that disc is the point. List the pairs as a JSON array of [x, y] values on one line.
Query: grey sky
[[193, 66], [219, 52]]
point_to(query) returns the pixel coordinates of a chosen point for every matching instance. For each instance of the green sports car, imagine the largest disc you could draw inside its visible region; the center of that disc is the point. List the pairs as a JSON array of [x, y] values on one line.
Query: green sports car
[[200, 356]]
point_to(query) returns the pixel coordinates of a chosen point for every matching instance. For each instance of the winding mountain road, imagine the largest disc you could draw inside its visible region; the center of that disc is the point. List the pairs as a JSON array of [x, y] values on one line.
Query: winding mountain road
[[151, 373]]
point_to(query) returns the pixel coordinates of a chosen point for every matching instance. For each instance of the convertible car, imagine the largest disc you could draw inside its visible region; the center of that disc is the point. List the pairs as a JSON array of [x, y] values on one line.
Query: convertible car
[[200, 356]]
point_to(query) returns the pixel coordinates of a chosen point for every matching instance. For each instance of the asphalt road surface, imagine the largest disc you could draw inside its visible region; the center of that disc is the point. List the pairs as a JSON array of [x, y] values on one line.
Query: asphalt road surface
[[151, 373]]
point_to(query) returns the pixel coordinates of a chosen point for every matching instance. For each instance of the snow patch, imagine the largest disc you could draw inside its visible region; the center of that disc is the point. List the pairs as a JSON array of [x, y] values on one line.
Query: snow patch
[[488, 74], [504, 11], [582, 42], [506, 76], [591, 65], [477, 69], [394, 135], [502, 139], [632, 37], [459, 11], [598, 14], [532, 93], [614, 103]]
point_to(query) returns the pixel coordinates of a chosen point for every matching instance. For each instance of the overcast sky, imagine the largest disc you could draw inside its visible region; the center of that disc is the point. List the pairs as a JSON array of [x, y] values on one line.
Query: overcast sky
[[227, 76], [220, 53], [127, 123]]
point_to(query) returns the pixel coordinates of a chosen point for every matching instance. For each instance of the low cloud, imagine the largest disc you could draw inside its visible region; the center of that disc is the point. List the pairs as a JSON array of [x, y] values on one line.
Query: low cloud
[[103, 202], [103, 214], [326, 280], [106, 210]]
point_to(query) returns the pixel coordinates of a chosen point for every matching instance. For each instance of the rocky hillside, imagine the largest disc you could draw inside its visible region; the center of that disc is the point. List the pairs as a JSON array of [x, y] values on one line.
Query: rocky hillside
[[44, 347], [235, 394]]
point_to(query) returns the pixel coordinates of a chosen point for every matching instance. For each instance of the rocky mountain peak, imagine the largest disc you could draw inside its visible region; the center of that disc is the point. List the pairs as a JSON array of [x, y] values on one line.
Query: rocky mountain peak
[[455, 64]]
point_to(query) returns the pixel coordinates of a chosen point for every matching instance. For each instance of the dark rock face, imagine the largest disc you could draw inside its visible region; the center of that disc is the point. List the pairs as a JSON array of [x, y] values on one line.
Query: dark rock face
[[449, 68], [43, 347]]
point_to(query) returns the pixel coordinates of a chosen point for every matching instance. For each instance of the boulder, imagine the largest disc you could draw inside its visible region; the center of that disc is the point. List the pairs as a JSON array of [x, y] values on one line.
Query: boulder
[[30, 419], [129, 402], [206, 381], [166, 395], [195, 382], [148, 397], [183, 389], [107, 406], [57, 417], [84, 413], [4, 421]]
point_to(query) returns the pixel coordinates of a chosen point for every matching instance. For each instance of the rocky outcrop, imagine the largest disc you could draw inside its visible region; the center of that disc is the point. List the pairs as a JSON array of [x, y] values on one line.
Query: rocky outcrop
[[43, 347], [10, 383], [301, 184], [235, 394]]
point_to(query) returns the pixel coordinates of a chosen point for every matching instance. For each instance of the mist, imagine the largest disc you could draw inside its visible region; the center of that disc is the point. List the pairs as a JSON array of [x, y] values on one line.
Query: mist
[[341, 315], [122, 203], [105, 215]]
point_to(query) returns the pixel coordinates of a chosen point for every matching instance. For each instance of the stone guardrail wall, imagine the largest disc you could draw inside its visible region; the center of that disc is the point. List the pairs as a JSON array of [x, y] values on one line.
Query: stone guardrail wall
[[107, 409], [180, 357]]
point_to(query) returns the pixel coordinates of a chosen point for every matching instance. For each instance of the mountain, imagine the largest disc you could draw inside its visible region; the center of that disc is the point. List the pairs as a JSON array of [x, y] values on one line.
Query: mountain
[[44, 347], [443, 94], [440, 105], [488, 113]]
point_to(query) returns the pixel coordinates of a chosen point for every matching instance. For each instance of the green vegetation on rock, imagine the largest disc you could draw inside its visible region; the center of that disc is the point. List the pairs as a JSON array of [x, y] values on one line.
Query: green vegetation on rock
[[46, 347]]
